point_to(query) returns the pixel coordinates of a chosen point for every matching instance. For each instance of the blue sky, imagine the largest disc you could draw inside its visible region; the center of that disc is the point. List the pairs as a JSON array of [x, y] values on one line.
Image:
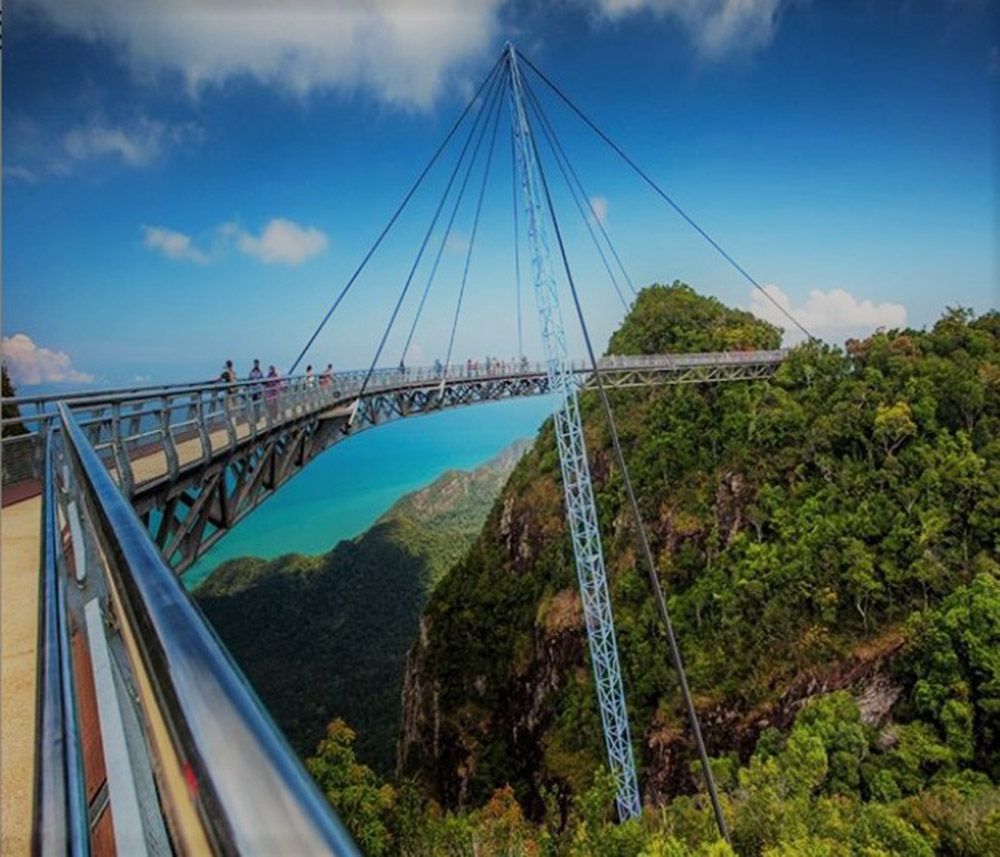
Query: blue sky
[[188, 182]]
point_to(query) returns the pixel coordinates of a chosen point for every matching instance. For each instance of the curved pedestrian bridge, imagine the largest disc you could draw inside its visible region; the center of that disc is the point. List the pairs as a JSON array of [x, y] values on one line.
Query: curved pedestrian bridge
[[126, 728]]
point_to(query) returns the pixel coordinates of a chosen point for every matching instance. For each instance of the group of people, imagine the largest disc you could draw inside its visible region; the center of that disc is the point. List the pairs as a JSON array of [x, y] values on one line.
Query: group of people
[[268, 386], [491, 364], [495, 364], [273, 378], [229, 375]]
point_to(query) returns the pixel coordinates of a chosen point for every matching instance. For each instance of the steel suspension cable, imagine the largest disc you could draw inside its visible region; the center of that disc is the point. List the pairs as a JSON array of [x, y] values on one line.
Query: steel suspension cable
[[486, 110], [399, 210], [475, 228], [546, 124], [517, 251], [647, 553], [536, 107], [645, 177], [444, 241]]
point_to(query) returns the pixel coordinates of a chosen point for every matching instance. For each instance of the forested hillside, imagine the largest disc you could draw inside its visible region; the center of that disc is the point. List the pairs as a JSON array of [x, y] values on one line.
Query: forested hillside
[[829, 541], [326, 636]]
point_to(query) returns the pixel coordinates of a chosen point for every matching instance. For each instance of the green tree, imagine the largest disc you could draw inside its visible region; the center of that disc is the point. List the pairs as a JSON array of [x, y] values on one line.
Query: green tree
[[364, 804]]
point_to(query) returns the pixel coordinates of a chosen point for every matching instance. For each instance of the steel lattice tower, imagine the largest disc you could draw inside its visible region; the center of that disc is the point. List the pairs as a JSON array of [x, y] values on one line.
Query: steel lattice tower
[[580, 506]]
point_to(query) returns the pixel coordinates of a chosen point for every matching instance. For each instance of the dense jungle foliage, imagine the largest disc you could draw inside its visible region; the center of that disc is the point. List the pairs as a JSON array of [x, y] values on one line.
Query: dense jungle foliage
[[831, 788], [326, 636], [837, 527]]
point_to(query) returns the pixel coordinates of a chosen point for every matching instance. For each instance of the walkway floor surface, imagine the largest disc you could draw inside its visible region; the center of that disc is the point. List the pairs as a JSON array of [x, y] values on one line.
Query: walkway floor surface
[[20, 534]]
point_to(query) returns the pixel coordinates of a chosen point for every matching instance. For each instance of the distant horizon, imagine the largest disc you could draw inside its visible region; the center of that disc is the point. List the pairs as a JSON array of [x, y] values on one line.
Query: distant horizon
[[27, 390]]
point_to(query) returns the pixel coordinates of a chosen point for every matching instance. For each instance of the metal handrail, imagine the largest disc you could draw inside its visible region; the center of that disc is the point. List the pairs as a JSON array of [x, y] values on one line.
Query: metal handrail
[[60, 824], [252, 794]]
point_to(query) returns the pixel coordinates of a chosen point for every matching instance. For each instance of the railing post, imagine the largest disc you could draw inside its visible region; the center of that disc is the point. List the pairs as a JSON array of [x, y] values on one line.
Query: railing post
[[199, 404], [122, 463], [227, 408], [169, 447]]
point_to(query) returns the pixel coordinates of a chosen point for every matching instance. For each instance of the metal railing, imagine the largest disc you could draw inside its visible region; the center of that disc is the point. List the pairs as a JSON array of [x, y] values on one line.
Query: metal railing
[[208, 768]]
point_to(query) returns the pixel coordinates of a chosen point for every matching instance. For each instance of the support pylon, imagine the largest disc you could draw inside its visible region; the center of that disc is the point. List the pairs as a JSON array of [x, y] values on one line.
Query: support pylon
[[581, 509]]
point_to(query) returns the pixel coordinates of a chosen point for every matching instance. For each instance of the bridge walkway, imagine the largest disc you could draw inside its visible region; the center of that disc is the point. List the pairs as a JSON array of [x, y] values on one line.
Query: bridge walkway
[[19, 561], [20, 556]]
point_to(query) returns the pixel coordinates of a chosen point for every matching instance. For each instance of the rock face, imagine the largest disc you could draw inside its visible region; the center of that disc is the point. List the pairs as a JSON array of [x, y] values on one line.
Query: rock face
[[478, 702]]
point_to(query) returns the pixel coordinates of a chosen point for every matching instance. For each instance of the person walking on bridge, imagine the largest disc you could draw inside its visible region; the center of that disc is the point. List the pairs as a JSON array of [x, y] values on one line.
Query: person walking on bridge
[[326, 376], [271, 388], [228, 376], [255, 377]]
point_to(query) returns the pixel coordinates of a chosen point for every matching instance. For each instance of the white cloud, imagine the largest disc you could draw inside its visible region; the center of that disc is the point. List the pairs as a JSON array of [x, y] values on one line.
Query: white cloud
[[173, 245], [137, 144], [833, 314], [717, 27], [30, 364], [280, 241], [600, 206], [402, 51]]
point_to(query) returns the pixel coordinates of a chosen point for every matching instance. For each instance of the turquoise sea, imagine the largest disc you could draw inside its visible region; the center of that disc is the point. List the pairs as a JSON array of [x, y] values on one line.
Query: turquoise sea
[[343, 492]]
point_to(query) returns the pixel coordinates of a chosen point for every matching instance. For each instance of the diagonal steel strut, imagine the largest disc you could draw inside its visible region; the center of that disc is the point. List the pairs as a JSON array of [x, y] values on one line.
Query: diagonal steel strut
[[580, 506]]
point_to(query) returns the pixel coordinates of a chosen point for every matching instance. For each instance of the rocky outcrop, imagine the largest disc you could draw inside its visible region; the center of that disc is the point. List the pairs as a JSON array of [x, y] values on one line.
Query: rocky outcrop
[[732, 727]]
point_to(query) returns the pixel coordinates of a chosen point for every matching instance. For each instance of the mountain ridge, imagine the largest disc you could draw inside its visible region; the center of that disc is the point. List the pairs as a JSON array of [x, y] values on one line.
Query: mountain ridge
[[325, 636]]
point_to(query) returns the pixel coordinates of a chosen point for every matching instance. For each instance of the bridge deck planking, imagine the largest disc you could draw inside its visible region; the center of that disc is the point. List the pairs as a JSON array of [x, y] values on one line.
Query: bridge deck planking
[[154, 465], [20, 524]]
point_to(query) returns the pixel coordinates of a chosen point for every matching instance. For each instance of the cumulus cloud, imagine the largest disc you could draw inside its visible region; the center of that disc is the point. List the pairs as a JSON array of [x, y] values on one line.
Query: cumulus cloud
[[281, 241], [401, 51], [833, 314], [28, 363], [173, 245], [717, 27], [600, 206]]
